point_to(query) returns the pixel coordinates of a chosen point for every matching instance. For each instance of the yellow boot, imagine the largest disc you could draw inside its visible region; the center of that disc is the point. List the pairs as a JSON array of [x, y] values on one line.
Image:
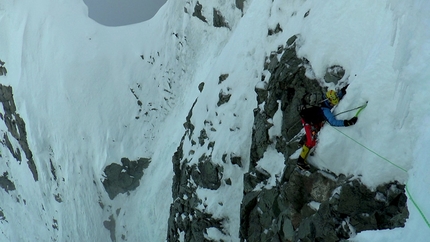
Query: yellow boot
[[301, 162]]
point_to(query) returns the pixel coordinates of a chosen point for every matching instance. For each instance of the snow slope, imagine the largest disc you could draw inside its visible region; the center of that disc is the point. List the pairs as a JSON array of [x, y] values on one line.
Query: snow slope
[[78, 86]]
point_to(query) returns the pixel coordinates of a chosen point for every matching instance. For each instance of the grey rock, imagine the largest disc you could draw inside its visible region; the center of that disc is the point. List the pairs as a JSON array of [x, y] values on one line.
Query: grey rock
[[198, 12], [206, 174], [6, 183], [3, 70], [124, 178], [236, 160], [222, 78], [17, 130], [305, 206], [223, 98], [219, 20], [274, 31], [110, 225], [186, 216], [2, 216], [334, 74], [203, 136], [201, 86], [239, 4]]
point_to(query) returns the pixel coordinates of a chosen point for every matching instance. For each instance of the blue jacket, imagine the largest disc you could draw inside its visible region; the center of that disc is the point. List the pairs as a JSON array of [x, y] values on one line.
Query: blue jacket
[[329, 116]]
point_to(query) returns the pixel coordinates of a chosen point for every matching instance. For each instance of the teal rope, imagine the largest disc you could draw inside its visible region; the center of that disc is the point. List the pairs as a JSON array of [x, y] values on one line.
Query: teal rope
[[380, 156], [401, 168], [352, 109], [416, 205]]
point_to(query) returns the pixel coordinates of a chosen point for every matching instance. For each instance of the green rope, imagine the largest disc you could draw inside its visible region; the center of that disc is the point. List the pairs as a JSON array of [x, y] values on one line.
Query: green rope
[[361, 109], [380, 156], [401, 168], [416, 205], [352, 109]]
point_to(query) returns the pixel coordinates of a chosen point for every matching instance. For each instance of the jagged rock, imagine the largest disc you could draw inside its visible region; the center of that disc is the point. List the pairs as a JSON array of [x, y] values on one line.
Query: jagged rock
[[322, 188], [275, 31], [285, 88], [5, 183], [219, 20], [58, 198], [261, 91], [110, 225], [201, 86], [53, 171], [16, 127], [206, 174], [298, 189], [239, 4], [318, 206], [334, 74], [223, 98], [188, 125], [236, 160], [3, 70], [124, 178], [260, 136], [251, 179], [198, 12], [222, 78], [2, 216], [203, 136], [187, 218], [289, 209]]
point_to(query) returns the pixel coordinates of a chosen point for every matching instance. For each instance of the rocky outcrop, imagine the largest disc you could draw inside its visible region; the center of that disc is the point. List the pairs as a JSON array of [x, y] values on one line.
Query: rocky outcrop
[[320, 207], [5, 183], [187, 213], [16, 130], [301, 206], [240, 4], [198, 12], [304, 206], [124, 178], [3, 70], [219, 20], [287, 85]]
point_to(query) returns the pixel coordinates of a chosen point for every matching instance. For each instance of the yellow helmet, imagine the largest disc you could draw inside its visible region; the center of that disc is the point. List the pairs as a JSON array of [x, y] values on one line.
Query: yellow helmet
[[332, 97]]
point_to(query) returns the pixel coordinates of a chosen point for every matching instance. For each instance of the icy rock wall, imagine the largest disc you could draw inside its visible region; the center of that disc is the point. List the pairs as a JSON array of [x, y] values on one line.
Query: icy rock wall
[[304, 206]]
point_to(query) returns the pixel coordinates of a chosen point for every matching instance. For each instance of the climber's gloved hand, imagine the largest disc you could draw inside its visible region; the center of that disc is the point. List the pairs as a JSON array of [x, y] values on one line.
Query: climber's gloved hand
[[350, 122]]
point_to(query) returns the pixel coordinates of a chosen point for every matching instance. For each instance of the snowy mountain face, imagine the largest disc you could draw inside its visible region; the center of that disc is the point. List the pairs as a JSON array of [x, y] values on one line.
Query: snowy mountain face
[[185, 127]]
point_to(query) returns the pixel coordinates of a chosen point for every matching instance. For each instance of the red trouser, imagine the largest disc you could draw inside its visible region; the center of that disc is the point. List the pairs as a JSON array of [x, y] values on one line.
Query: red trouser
[[311, 138], [311, 133]]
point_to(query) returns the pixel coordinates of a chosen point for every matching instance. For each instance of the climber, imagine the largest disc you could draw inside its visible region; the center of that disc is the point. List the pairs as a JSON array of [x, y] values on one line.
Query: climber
[[313, 122]]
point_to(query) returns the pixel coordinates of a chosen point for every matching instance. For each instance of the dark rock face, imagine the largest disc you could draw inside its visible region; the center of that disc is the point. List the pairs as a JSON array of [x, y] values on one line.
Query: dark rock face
[[320, 207], [110, 225], [5, 183], [198, 12], [287, 85], [3, 70], [239, 4], [219, 20], [306, 206], [302, 206], [274, 31], [206, 174], [16, 127], [124, 178], [223, 98], [334, 74], [185, 215]]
